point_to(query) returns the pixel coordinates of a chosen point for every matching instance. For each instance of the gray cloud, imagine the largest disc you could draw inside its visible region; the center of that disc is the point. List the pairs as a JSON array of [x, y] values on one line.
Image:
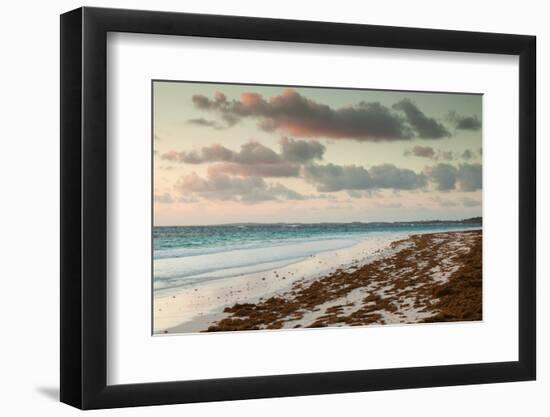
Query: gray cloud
[[467, 177], [464, 122], [330, 177], [226, 188], [253, 159], [302, 117], [203, 102], [436, 155], [467, 154], [426, 127], [293, 113], [206, 123], [301, 151], [250, 153], [468, 123], [335, 178], [443, 175], [389, 176], [254, 153]]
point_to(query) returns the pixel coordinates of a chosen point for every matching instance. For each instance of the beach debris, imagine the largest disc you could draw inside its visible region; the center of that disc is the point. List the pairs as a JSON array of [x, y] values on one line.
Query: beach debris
[[422, 278]]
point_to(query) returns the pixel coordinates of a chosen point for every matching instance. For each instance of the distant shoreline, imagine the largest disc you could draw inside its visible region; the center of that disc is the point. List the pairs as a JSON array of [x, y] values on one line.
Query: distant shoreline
[[471, 220]]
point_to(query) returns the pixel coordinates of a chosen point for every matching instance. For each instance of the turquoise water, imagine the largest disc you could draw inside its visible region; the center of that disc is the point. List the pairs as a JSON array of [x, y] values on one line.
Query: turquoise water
[[191, 240], [185, 255]]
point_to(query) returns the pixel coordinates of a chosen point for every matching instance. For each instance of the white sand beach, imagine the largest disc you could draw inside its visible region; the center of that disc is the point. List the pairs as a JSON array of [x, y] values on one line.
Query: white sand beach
[[193, 308]]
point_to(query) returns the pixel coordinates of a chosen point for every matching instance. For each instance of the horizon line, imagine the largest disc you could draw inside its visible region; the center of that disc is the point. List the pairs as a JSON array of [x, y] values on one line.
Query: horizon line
[[480, 218]]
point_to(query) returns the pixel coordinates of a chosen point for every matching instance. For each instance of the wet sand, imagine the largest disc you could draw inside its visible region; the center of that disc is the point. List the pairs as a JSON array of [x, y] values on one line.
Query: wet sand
[[423, 278]]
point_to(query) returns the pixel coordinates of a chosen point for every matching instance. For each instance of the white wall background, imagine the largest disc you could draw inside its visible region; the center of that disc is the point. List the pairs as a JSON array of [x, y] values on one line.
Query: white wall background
[[29, 100]]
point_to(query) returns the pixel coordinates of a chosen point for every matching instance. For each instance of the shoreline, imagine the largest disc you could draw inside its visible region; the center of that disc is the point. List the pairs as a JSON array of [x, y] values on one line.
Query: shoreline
[[217, 305], [187, 310]]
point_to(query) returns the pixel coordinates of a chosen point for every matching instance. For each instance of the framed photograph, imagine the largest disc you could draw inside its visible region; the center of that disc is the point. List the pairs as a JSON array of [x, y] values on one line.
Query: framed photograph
[[258, 208]]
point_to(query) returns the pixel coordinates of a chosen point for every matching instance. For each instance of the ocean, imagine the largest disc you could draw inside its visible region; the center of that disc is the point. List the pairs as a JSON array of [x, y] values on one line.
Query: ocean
[[187, 255]]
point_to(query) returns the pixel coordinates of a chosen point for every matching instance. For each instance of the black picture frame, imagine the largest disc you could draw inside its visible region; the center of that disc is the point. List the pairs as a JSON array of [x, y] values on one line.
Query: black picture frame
[[84, 207]]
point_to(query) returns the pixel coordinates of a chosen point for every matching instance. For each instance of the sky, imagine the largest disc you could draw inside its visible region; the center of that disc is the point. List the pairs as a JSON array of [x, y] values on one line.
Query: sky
[[227, 153]]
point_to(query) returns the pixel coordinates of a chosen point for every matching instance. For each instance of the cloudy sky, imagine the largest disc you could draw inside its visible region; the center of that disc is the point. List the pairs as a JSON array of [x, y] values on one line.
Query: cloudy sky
[[246, 153]]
